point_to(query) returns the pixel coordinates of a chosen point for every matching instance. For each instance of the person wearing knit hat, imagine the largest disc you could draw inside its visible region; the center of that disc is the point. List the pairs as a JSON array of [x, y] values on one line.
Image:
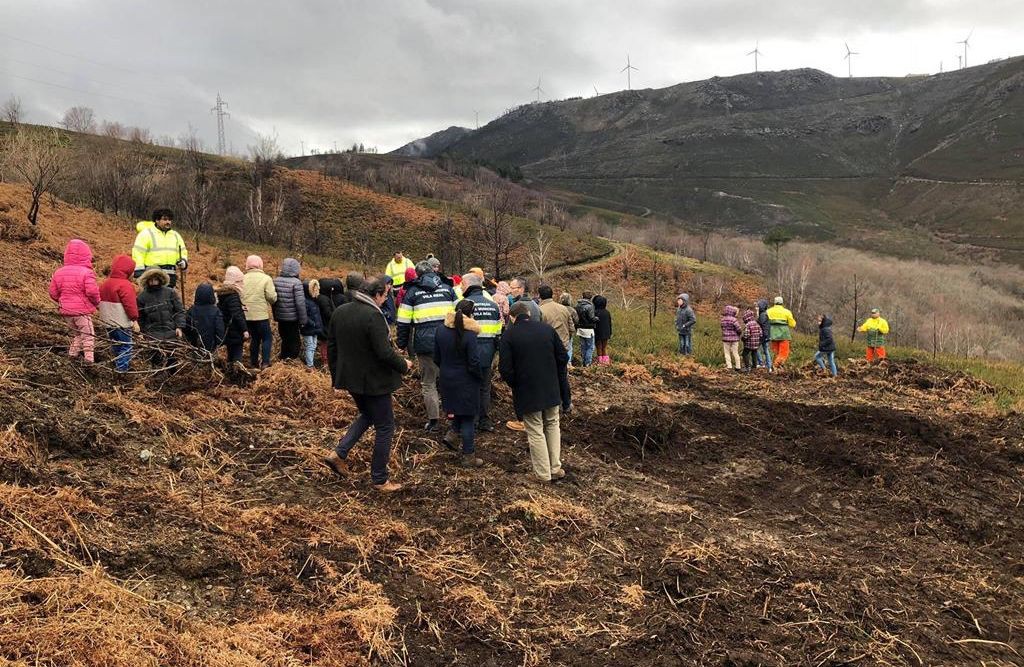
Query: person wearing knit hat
[[229, 300], [258, 296]]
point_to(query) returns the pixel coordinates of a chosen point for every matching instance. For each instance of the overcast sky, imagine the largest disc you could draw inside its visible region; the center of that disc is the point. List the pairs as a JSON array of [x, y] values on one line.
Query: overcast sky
[[385, 72]]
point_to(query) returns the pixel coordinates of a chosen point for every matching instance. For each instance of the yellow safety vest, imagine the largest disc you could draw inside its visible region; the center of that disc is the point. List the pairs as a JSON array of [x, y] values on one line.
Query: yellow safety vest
[[154, 247], [397, 270]]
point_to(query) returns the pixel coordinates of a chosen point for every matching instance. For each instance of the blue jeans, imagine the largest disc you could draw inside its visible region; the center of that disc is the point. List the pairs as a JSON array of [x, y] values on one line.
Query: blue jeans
[[260, 339], [766, 354], [570, 350], [309, 350], [587, 350], [376, 411], [686, 343], [466, 426], [122, 348], [820, 357]]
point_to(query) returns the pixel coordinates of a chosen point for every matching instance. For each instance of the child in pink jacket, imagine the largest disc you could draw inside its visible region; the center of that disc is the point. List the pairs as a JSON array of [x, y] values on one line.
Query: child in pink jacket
[[74, 289]]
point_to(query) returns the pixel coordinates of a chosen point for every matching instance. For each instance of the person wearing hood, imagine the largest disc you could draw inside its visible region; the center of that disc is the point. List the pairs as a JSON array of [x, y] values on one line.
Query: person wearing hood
[[119, 311], [410, 278], [826, 345], [156, 244], [258, 298], [731, 335], [290, 308], [751, 340], [425, 306], [603, 331], [457, 355], [780, 325], [685, 319], [161, 315], [587, 318], [486, 315], [229, 301], [876, 329], [765, 353], [204, 323], [73, 286], [314, 326], [370, 370]]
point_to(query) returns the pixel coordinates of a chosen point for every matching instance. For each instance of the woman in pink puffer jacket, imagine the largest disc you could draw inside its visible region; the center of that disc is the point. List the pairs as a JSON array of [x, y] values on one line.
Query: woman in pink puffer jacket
[[74, 289]]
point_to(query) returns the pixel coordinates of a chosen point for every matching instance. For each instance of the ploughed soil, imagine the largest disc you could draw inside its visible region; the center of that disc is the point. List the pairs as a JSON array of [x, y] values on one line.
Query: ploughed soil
[[183, 518]]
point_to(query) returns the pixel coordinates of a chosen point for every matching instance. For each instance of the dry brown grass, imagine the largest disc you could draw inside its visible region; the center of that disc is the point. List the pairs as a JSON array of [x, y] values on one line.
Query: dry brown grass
[[549, 512]]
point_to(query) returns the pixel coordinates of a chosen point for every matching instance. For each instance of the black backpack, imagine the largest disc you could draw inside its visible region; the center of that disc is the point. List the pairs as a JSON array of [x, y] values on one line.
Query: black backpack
[[588, 318]]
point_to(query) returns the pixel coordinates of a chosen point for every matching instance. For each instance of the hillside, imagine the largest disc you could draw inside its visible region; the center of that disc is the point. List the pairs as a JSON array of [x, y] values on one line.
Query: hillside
[[432, 145], [919, 165], [708, 518]]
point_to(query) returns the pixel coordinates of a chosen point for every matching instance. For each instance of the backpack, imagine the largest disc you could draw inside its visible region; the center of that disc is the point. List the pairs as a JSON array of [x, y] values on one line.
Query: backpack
[[588, 318]]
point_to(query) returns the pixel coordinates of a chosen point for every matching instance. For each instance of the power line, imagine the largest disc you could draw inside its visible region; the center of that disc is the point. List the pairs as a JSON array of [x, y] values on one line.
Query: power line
[[75, 74], [69, 55], [79, 90]]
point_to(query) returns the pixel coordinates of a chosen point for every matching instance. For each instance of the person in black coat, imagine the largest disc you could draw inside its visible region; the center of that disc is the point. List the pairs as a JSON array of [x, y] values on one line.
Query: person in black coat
[[533, 362], [826, 345], [313, 329], [457, 356], [369, 368], [229, 301], [204, 324], [332, 295], [603, 330]]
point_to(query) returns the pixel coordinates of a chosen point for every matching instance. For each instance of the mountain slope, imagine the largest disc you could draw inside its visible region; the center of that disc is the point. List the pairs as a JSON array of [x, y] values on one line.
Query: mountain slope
[[861, 160], [435, 144]]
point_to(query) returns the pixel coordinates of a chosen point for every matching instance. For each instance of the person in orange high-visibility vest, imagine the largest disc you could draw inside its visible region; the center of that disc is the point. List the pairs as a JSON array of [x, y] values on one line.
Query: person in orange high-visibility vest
[[780, 325]]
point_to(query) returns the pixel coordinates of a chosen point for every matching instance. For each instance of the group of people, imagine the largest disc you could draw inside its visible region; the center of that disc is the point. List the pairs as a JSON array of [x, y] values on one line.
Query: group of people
[[453, 328], [762, 338]]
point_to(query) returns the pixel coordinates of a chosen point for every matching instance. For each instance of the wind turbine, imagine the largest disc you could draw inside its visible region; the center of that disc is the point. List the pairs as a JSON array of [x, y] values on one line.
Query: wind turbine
[[596, 94], [538, 89], [849, 60], [966, 42], [755, 53], [628, 69]]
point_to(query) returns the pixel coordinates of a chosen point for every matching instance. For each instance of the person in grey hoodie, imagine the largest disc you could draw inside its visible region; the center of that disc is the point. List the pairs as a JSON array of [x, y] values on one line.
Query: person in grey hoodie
[[290, 308], [685, 319], [765, 356]]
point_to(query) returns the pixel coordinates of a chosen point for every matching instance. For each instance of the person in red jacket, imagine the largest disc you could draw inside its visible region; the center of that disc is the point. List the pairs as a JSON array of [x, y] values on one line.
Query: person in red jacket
[[410, 278], [119, 310], [74, 288]]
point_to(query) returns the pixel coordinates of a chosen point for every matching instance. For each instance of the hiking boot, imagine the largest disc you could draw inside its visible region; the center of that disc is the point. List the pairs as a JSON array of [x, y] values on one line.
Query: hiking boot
[[388, 487], [470, 461], [450, 440], [432, 426], [560, 474], [485, 424], [337, 464], [515, 426]]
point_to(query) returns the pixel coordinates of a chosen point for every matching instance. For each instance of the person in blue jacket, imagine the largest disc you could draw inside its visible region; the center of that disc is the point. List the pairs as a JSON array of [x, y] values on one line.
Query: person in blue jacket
[[458, 357], [314, 326], [204, 323]]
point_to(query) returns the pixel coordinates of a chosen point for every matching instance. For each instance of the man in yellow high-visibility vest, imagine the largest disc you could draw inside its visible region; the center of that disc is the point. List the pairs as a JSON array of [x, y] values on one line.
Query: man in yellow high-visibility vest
[[158, 245], [396, 268]]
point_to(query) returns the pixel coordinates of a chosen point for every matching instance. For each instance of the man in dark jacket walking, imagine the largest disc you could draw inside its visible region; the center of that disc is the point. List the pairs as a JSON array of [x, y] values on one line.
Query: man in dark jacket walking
[[685, 319], [369, 368], [423, 309], [487, 315], [826, 346], [585, 329], [533, 362]]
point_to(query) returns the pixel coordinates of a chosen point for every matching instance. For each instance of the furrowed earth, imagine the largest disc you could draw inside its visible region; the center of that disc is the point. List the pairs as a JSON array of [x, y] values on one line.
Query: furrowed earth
[[707, 518]]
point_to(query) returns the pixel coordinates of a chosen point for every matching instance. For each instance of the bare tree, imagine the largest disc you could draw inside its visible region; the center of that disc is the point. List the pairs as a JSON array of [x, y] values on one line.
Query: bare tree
[[79, 119], [493, 230], [451, 249], [113, 129], [123, 180], [11, 110], [266, 201], [140, 135], [539, 253], [196, 196], [39, 158]]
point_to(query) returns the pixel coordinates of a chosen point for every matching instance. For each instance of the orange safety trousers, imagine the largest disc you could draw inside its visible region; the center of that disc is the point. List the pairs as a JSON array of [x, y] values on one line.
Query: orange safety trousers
[[780, 351], [875, 353]]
